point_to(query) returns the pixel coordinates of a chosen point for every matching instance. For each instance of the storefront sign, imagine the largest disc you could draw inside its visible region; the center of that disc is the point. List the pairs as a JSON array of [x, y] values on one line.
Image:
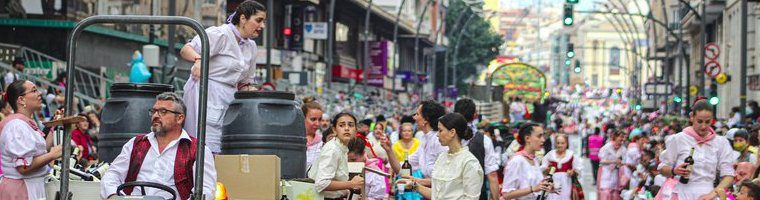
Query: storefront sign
[[378, 63], [341, 72], [315, 30]]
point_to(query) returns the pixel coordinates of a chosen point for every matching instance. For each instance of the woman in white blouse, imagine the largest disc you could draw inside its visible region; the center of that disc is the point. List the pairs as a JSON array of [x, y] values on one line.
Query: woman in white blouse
[[712, 157], [330, 170], [611, 161], [566, 164], [523, 178], [24, 150], [457, 173], [232, 68]]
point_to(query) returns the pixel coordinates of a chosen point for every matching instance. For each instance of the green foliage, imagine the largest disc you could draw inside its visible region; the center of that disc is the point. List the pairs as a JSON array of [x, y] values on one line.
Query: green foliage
[[478, 46]]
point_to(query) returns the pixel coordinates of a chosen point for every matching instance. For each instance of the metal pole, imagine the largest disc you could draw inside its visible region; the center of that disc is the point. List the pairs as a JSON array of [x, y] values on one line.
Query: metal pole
[[417, 45], [71, 55], [330, 43], [703, 42], [396, 45], [432, 70], [269, 40], [367, 57], [455, 54], [743, 61]]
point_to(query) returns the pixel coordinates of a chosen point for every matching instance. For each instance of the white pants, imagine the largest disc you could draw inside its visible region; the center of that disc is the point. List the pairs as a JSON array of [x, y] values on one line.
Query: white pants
[[220, 96]]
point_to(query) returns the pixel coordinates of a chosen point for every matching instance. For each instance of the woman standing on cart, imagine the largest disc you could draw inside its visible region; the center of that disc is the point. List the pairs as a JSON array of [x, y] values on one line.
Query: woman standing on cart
[[25, 152], [232, 68]]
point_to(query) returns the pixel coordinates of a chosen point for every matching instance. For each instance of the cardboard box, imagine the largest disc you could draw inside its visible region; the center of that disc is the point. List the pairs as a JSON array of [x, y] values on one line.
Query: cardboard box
[[249, 177]]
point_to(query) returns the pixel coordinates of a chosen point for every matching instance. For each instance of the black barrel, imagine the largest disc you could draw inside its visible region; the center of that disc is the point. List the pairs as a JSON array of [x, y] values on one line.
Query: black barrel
[[125, 115], [267, 123]]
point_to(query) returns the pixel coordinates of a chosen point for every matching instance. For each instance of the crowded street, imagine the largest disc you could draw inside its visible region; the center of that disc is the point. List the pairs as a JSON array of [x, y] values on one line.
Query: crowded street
[[379, 100]]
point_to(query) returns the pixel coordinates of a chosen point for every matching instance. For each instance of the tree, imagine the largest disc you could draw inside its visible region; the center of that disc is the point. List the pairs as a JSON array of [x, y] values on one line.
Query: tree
[[479, 43]]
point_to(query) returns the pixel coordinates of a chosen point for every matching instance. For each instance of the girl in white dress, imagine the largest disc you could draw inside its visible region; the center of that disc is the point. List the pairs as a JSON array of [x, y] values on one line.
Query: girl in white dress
[[523, 178], [611, 156], [232, 68], [566, 164], [330, 170], [457, 173], [712, 157], [24, 150]]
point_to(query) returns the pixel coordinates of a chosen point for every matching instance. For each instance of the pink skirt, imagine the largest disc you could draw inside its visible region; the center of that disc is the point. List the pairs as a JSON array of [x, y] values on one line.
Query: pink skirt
[[13, 189]]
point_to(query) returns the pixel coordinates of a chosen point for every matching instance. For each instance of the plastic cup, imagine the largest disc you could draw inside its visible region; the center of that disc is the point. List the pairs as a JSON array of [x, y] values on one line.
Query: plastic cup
[[401, 187]]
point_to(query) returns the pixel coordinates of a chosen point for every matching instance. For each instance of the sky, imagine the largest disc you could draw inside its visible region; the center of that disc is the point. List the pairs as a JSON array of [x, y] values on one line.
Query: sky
[[582, 4]]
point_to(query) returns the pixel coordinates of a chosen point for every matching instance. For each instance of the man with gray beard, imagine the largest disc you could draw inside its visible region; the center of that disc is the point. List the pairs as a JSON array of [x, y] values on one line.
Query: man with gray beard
[[167, 152]]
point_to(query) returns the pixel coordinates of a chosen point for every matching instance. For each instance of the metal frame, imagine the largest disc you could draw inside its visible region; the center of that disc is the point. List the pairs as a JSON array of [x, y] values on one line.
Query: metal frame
[[134, 19]]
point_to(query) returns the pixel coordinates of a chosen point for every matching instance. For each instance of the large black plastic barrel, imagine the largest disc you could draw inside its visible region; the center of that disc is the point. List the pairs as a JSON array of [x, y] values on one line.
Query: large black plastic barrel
[[125, 115], [267, 123]]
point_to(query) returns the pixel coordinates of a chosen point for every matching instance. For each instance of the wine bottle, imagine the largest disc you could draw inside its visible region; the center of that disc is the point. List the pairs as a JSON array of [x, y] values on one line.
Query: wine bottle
[[406, 168], [548, 179], [690, 161], [83, 175]]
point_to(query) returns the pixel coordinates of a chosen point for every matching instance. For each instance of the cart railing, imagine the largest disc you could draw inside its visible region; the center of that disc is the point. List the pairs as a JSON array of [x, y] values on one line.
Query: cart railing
[[203, 93]]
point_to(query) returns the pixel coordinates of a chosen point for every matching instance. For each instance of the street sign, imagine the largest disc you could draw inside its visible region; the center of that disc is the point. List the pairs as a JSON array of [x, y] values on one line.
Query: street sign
[[658, 88], [712, 68], [722, 78], [315, 30], [693, 90], [754, 82], [712, 51]]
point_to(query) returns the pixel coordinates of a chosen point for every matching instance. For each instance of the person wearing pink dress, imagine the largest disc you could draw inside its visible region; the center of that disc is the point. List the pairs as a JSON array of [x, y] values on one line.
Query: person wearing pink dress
[[24, 150]]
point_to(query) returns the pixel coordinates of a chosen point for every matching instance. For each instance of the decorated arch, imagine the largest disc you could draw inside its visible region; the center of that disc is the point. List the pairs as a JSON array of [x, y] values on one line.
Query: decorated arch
[[517, 79]]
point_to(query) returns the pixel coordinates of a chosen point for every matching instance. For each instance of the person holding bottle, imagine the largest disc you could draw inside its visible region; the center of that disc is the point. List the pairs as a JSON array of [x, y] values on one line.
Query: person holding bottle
[[456, 173], [523, 177], [567, 166], [710, 153]]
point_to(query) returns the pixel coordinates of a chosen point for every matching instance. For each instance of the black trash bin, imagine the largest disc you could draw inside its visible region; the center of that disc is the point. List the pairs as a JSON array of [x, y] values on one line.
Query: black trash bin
[[267, 123], [125, 115]]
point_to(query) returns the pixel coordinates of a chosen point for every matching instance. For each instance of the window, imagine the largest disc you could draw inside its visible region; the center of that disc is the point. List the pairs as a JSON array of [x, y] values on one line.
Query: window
[[341, 32], [614, 57]]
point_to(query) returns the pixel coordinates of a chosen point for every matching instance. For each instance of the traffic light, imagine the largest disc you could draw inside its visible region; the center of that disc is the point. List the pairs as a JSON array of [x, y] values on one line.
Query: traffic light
[[677, 99], [638, 107], [568, 62], [570, 50], [572, 1], [714, 100], [577, 66], [568, 20]]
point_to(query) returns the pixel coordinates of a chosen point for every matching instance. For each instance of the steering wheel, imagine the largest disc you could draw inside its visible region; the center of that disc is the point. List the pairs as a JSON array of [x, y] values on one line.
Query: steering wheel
[[142, 186]]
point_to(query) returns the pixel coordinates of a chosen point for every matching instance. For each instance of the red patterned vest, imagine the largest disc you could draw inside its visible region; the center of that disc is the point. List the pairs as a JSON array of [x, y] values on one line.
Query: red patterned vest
[[567, 166], [183, 164]]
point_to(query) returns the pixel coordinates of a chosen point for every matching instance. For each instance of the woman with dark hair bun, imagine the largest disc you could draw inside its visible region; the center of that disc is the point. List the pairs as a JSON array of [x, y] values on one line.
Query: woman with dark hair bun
[[523, 177], [456, 174], [25, 152], [711, 156], [232, 67]]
